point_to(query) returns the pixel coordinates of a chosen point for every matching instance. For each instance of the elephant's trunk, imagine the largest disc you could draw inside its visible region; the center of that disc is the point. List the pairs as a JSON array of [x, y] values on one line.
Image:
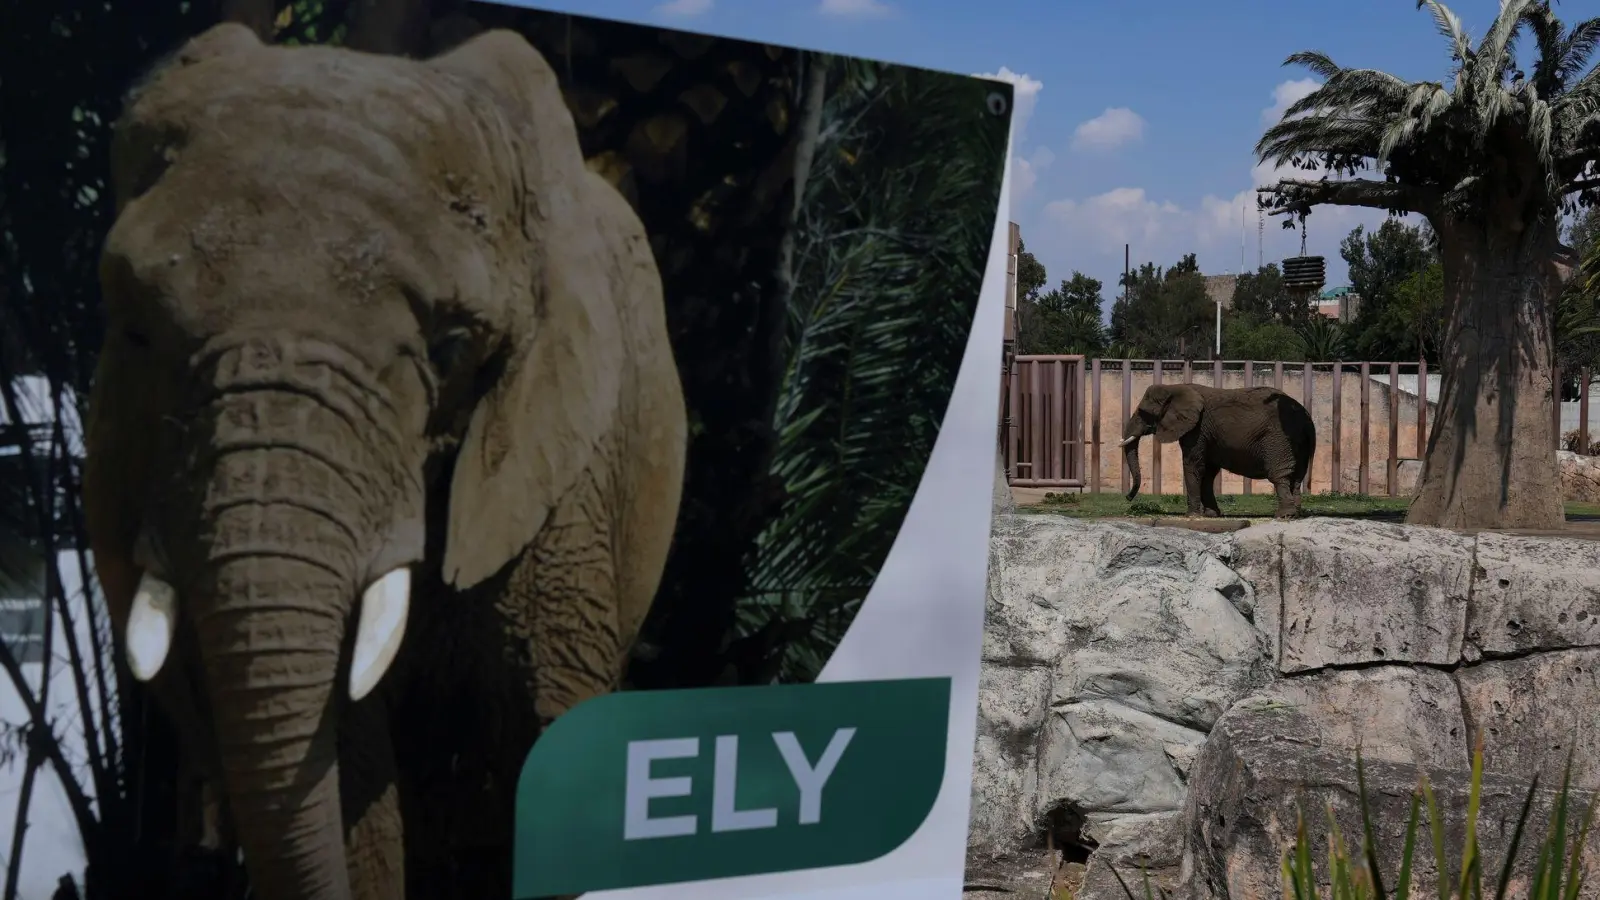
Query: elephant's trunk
[[1131, 432], [284, 506], [271, 640]]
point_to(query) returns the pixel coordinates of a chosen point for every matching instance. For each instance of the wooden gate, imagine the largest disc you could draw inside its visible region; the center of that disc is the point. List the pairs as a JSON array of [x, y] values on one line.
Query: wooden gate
[[1043, 419]]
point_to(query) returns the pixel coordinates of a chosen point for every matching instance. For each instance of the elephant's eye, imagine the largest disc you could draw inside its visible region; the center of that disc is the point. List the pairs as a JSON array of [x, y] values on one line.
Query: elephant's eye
[[448, 351], [136, 337]]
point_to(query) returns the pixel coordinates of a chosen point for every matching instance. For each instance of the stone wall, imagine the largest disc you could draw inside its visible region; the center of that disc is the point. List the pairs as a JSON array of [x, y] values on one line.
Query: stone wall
[[1163, 697], [1321, 408]]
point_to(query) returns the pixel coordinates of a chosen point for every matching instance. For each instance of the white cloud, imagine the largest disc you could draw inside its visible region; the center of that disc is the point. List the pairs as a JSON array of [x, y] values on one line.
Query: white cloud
[[1025, 171], [1024, 97], [685, 7], [855, 9], [1109, 130], [1285, 95], [1224, 231]]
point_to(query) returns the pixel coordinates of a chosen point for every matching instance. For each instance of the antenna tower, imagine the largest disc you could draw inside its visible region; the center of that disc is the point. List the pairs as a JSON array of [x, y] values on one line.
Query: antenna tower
[[1261, 228]]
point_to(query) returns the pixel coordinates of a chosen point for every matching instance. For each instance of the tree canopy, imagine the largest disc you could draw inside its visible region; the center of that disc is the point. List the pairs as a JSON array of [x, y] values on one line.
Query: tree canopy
[[1491, 159], [1164, 312], [1064, 319]]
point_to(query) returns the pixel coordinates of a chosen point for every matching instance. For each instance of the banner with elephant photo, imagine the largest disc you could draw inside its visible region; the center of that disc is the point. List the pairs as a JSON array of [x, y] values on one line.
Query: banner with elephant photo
[[526, 455]]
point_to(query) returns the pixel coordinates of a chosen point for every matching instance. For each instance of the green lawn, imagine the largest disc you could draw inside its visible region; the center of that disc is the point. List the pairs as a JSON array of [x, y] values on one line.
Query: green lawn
[[1243, 506]]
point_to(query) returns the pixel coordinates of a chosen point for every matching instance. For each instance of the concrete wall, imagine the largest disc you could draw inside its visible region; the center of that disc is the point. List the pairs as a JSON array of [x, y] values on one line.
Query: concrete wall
[[1320, 405]]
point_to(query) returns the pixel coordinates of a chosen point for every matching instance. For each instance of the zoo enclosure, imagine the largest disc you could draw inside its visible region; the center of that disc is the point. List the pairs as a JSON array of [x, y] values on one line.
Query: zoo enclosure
[[1061, 420]]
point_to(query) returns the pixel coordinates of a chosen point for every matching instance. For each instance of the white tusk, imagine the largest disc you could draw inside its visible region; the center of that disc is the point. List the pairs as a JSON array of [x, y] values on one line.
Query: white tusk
[[1131, 440], [378, 632], [151, 622]]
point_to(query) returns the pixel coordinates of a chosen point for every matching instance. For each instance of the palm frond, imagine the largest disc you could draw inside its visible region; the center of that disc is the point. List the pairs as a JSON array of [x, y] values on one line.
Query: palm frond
[[894, 238], [1450, 27]]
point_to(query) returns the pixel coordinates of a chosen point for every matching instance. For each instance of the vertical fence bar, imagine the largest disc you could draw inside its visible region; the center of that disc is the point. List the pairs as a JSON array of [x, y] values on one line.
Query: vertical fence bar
[[1155, 445], [1555, 405], [1336, 473], [1078, 383], [1061, 422], [1249, 382], [1583, 410], [1039, 427], [1127, 410], [1422, 409], [1393, 474], [1216, 382], [1094, 428], [1366, 428], [1277, 374], [1014, 423], [1307, 398]]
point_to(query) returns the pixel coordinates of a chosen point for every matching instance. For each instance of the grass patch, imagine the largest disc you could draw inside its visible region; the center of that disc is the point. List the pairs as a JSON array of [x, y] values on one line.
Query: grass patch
[[1242, 506]]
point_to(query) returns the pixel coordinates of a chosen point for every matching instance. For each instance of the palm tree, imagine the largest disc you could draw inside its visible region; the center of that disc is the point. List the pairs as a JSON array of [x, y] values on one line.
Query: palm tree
[[1325, 339], [1491, 160]]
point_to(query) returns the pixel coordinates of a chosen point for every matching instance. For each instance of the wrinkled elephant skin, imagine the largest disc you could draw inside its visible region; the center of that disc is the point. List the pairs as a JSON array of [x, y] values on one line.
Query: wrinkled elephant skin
[[1258, 432], [386, 432]]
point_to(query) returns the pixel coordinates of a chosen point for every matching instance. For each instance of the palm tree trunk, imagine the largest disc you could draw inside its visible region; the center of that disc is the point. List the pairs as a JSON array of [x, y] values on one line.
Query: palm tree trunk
[[1491, 459]]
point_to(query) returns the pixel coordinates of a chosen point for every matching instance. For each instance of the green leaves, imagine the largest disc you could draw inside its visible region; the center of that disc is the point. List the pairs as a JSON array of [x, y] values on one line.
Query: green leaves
[[892, 243], [1430, 143], [1557, 873]]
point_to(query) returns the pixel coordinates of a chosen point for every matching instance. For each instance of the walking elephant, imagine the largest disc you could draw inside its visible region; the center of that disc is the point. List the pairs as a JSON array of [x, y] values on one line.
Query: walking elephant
[[386, 446], [1257, 432]]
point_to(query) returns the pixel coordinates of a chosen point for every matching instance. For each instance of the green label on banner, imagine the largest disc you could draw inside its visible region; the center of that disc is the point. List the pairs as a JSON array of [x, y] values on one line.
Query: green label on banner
[[659, 787]]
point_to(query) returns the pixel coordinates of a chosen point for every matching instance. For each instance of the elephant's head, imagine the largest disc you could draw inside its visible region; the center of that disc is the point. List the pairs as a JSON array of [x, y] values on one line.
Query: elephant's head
[[334, 280], [1168, 411]]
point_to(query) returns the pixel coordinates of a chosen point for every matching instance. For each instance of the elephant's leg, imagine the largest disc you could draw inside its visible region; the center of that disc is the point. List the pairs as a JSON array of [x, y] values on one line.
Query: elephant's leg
[[1195, 483], [1287, 503], [1208, 490], [370, 802]]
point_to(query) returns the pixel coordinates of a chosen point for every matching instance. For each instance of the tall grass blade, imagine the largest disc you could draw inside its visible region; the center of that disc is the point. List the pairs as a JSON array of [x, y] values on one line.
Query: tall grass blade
[[1516, 840], [1305, 885], [1403, 890], [1558, 831], [1576, 873], [1469, 850], [1369, 840], [1436, 825]]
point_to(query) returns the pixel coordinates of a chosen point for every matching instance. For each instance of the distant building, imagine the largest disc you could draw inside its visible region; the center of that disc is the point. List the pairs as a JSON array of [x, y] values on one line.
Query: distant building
[[1219, 289], [1341, 303]]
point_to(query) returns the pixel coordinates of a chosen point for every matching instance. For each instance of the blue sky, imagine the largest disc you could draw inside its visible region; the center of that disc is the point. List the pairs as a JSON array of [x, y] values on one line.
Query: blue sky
[[1139, 116]]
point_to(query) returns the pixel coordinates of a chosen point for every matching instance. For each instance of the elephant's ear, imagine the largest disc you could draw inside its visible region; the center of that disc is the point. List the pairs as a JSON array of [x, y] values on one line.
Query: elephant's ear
[[1181, 415], [540, 425]]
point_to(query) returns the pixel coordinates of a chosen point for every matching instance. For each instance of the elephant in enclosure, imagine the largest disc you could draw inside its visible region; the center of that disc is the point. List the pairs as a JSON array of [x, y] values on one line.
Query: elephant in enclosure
[[1257, 432], [385, 451]]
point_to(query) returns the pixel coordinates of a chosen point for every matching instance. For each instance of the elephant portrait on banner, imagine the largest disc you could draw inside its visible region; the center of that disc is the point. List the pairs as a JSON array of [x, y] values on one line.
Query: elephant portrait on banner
[[385, 448], [1257, 432]]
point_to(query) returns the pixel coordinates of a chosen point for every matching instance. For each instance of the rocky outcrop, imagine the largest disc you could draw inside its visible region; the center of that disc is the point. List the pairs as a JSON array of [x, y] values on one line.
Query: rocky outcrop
[[1111, 651], [1264, 768], [1143, 686], [1580, 476]]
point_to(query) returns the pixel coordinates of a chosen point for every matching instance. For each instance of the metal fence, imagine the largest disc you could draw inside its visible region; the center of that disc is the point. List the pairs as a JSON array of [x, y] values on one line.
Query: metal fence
[[1062, 420]]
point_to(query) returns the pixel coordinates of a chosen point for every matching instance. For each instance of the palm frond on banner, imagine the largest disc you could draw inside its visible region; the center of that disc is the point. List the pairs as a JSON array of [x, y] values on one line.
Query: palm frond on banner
[[893, 238]]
